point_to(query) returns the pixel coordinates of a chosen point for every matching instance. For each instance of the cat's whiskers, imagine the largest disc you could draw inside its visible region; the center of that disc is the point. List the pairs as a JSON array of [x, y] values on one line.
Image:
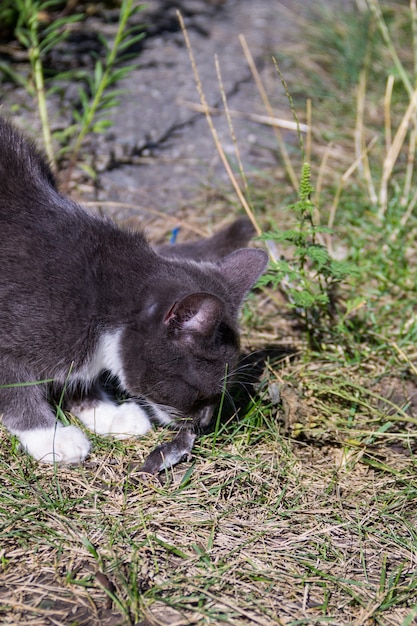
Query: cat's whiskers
[[235, 376], [228, 396]]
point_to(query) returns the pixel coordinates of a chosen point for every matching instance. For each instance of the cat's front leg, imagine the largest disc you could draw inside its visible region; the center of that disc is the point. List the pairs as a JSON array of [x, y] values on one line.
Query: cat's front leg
[[104, 417], [26, 414]]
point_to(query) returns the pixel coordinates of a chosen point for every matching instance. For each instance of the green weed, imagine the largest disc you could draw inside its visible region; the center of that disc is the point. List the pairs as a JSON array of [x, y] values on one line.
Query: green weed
[[311, 277], [39, 27]]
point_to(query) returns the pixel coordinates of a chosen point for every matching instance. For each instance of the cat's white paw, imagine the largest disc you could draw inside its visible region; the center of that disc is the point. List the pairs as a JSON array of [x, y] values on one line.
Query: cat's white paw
[[120, 421], [59, 444]]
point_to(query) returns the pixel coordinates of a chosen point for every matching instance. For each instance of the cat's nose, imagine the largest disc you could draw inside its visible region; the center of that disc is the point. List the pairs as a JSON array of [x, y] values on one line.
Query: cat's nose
[[204, 416]]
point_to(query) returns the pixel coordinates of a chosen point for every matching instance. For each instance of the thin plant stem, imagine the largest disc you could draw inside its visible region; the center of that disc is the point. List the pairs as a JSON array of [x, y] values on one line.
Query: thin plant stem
[[387, 111], [230, 123], [308, 142], [393, 152], [405, 358], [413, 134], [410, 165], [101, 87], [320, 175], [213, 131], [360, 113], [360, 141], [29, 16], [413, 11], [43, 109], [264, 96], [383, 29], [292, 106], [412, 203], [254, 117], [361, 149]]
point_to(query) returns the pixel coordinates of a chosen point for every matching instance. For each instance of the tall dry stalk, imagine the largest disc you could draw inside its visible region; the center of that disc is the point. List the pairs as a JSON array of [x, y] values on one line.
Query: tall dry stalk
[[213, 130], [394, 145], [393, 153], [265, 99]]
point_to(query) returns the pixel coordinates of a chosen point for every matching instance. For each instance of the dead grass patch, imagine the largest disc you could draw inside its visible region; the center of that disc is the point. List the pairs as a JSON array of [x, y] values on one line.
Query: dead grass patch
[[262, 529]]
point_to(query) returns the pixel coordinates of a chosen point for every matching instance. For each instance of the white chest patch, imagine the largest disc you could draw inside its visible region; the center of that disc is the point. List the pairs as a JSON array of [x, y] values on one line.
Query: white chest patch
[[105, 357]]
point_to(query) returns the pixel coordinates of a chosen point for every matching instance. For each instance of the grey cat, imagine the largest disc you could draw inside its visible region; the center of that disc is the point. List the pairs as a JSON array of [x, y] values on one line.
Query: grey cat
[[79, 296]]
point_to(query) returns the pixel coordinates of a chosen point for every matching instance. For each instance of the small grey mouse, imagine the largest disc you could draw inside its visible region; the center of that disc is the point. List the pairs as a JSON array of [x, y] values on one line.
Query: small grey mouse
[[170, 453]]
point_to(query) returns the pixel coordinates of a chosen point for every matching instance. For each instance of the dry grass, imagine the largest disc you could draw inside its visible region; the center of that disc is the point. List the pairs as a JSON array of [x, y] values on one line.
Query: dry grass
[[260, 529]]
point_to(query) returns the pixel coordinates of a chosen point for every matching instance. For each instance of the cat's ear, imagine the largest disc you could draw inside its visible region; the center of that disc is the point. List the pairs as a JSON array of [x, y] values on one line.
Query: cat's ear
[[241, 269], [197, 313]]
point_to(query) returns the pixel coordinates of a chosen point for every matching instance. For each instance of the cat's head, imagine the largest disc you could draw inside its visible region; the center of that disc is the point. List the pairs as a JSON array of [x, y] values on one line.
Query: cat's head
[[184, 344]]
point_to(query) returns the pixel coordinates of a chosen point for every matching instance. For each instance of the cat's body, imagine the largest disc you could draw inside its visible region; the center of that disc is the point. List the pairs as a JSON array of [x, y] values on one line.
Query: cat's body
[[79, 296]]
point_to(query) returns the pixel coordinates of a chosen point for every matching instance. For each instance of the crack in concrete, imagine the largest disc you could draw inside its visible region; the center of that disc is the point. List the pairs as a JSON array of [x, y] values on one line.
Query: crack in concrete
[[150, 146]]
